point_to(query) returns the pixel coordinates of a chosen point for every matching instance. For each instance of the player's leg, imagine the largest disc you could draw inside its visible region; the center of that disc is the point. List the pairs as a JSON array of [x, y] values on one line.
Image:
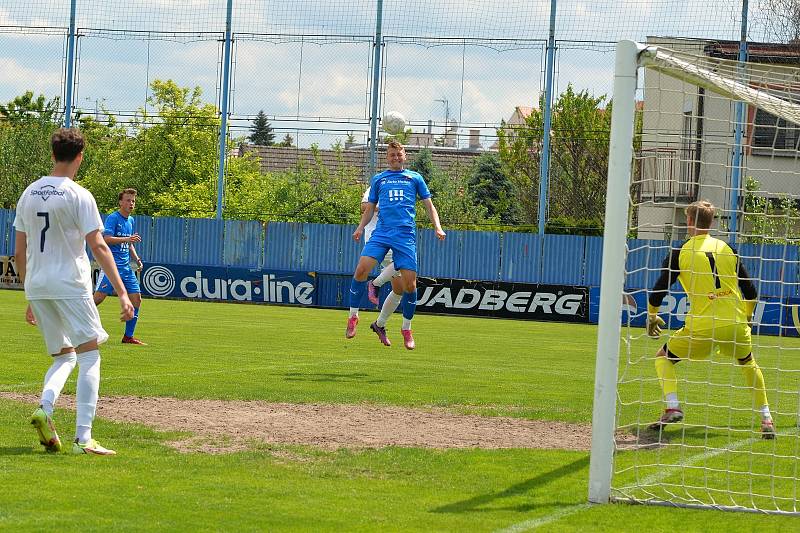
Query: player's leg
[[102, 289], [86, 332], [358, 284], [63, 362], [683, 344], [135, 294], [408, 280], [388, 272], [390, 305], [739, 345], [405, 261]]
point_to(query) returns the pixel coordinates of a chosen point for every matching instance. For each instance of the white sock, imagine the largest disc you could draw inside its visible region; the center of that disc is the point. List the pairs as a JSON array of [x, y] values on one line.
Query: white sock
[[406, 323], [88, 391], [385, 275], [84, 434], [765, 414], [55, 378], [672, 401], [354, 311], [390, 305]]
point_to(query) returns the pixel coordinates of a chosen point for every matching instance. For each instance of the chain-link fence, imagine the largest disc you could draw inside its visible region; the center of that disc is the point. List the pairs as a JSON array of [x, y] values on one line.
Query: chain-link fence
[[458, 70]]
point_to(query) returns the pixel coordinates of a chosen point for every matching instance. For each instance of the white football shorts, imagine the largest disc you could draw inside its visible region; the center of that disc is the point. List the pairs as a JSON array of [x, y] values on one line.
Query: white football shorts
[[68, 323]]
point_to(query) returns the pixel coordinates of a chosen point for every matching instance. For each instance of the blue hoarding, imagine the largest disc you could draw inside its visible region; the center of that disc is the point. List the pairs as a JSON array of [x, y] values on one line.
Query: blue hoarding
[[767, 317], [229, 284]]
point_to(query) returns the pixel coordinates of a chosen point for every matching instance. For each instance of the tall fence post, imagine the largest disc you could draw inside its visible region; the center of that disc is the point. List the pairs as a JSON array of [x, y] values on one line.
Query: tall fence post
[[376, 80], [736, 164], [225, 88], [70, 65], [544, 163]]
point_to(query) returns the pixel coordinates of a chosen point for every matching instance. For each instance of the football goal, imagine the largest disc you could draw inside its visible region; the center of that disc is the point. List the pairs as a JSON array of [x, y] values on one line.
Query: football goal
[[692, 122]]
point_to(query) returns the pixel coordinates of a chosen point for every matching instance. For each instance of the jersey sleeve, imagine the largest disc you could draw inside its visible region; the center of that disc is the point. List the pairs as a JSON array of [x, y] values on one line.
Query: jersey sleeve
[[19, 223], [422, 188], [109, 226], [670, 269], [746, 285], [373, 190], [365, 198], [88, 216]]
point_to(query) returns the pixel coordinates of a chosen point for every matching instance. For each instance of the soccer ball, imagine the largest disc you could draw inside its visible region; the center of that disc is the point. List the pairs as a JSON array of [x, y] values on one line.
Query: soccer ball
[[393, 123]]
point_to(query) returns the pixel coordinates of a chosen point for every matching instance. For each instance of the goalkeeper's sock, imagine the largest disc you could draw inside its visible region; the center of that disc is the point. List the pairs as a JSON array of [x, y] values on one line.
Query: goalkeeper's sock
[[385, 275], [665, 370], [755, 380], [765, 414], [672, 401]]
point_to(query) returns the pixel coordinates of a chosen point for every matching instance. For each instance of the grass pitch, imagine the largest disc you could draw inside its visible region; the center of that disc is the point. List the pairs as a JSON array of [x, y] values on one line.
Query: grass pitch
[[247, 352]]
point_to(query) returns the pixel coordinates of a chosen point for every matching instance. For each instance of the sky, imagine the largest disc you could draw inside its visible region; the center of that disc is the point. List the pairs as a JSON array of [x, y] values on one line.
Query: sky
[[306, 63]]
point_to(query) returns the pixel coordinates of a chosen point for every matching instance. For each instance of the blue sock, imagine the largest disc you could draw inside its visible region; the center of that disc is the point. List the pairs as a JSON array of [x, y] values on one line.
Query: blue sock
[[130, 325], [409, 304], [357, 289]]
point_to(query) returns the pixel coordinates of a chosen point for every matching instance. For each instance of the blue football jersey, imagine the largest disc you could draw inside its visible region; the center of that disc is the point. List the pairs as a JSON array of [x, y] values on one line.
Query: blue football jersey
[[397, 191], [118, 226]]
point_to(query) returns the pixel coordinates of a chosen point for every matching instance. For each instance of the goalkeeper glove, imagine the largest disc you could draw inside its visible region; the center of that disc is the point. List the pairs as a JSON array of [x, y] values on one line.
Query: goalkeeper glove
[[654, 323]]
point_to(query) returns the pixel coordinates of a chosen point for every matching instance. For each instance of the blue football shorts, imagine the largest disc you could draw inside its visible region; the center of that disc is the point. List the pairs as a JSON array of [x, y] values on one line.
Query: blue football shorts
[[129, 280], [403, 246]]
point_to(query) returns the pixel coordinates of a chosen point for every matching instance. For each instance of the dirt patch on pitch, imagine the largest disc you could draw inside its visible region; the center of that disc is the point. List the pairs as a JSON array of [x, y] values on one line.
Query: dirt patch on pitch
[[219, 426]]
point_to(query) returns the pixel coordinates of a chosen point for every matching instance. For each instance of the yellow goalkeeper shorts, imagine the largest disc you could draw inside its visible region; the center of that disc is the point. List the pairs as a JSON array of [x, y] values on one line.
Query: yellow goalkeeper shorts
[[732, 341]]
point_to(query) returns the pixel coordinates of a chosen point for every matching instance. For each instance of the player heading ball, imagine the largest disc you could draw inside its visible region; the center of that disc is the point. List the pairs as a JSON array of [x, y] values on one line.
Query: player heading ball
[[397, 190]]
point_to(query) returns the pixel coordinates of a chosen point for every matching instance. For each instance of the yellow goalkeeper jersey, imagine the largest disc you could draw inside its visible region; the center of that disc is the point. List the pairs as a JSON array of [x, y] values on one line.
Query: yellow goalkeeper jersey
[[714, 280]]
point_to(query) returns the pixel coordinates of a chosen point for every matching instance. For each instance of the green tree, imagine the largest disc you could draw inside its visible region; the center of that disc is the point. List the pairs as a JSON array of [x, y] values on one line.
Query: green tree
[[578, 157], [25, 109], [261, 132], [768, 220], [451, 194], [287, 142], [166, 154], [519, 150], [308, 193], [24, 157], [492, 189], [26, 124]]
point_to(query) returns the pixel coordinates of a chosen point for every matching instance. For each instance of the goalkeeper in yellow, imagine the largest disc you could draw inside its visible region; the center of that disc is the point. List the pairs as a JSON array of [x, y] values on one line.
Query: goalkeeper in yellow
[[721, 302]]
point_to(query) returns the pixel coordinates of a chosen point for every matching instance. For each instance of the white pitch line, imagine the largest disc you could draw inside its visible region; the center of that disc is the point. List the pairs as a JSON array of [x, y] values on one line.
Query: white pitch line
[[529, 525]]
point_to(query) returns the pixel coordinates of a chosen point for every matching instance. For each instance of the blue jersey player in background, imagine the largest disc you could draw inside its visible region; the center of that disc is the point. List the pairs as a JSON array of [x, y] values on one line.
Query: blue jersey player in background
[[119, 234], [397, 190]]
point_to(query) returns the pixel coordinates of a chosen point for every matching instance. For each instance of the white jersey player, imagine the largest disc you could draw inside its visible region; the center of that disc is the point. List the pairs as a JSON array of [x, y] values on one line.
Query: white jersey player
[[388, 271], [55, 219]]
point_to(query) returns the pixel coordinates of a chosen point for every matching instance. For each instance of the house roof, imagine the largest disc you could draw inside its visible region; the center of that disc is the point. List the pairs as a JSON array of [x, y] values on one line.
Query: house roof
[[756, 52], [524, 111]]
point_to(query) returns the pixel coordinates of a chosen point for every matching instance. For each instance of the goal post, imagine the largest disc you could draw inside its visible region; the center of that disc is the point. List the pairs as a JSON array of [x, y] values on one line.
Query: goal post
[[620, 161], [674, 147]]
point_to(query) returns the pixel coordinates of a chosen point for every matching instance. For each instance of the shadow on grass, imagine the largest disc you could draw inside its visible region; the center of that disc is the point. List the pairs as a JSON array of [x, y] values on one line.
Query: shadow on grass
[[331, 377], [16, 450], [473, 504]]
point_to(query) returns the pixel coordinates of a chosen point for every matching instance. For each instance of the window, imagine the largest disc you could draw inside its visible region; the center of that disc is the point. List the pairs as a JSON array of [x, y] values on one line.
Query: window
[[774, 133]]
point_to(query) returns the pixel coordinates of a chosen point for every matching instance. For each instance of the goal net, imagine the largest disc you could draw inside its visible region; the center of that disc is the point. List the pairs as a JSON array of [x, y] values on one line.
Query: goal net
[[691, 122]]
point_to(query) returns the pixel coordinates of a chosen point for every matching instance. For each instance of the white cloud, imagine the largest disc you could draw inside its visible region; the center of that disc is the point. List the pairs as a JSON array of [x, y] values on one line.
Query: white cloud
[[18, 78]]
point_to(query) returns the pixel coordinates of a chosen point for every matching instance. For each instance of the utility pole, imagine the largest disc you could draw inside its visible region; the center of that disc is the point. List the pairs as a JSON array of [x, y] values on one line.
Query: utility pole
[[446, 103]]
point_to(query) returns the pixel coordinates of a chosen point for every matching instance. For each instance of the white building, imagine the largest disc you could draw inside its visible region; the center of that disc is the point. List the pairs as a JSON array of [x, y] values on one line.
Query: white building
[[688, 138]]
